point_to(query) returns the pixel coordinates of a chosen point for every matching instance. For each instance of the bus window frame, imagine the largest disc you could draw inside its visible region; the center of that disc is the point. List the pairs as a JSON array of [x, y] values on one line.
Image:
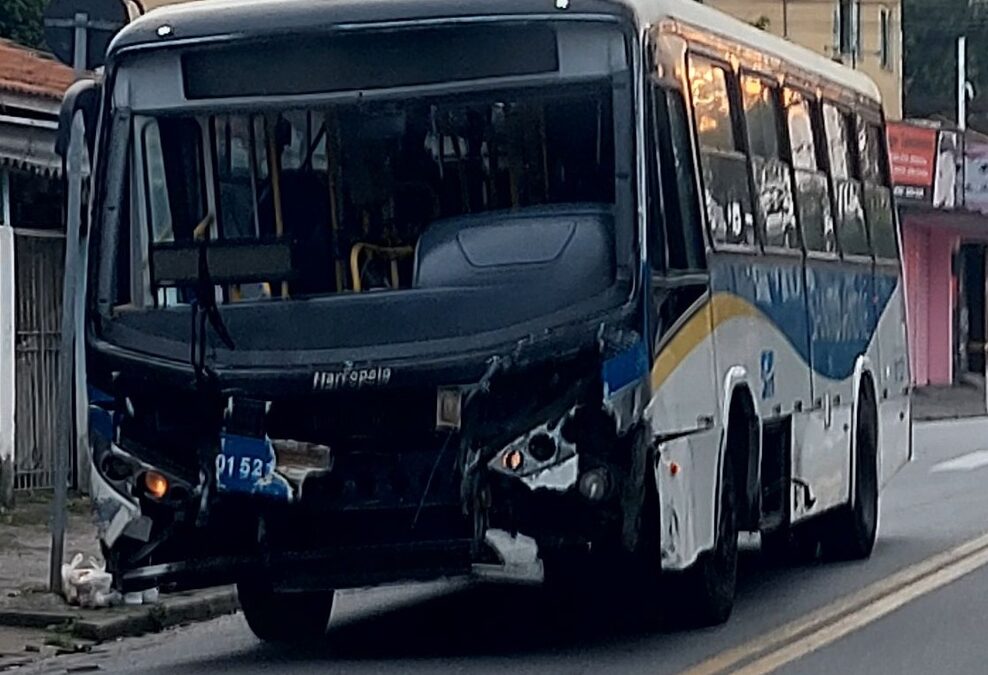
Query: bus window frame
[[655, 167], [847, 116], [823, 164], [784, 152], [739, 130], [869, 118], [822, 161]]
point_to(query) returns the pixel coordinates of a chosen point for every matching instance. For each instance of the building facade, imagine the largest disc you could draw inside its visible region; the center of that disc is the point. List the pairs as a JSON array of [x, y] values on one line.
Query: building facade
[[31, 264], [863, 34]]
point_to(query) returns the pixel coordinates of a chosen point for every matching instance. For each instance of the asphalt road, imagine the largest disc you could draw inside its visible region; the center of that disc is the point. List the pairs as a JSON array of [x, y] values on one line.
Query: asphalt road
[[903, 616]]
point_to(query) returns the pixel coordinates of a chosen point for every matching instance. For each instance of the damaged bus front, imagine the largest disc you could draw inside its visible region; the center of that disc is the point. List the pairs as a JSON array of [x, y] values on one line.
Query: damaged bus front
[[363, 298]]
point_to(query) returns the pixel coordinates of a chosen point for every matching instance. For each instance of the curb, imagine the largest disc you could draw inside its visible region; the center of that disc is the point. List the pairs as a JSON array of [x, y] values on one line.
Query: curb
[[919, 419], [104, 625]]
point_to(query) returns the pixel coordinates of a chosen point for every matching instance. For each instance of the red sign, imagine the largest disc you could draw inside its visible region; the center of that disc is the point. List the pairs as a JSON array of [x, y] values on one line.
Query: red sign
[[912, 151]]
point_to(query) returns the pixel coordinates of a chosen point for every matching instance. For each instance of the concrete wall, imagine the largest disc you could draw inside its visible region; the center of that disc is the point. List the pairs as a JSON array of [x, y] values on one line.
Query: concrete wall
[[6, 352], [811, 24]]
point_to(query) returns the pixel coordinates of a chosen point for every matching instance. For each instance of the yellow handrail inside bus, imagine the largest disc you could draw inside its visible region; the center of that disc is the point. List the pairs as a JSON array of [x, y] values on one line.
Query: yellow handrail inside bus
[[392, 253]]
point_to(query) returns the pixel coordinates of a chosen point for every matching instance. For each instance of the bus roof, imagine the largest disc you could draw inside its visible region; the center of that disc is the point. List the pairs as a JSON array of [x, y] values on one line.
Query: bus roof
[[244, 18]]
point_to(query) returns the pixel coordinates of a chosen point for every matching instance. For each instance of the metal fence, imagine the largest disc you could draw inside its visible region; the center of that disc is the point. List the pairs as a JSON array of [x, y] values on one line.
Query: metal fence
[[39, 261]]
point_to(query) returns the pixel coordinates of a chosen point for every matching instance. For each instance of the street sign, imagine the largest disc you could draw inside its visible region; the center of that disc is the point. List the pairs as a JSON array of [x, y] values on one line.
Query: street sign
[[79, 31]]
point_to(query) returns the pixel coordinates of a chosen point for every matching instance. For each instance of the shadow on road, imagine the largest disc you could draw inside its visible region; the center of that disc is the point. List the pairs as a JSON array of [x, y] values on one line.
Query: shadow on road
[[506, 621]]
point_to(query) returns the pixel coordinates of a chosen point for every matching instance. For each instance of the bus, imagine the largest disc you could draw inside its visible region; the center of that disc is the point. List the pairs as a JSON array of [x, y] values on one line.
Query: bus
[[562, 291]]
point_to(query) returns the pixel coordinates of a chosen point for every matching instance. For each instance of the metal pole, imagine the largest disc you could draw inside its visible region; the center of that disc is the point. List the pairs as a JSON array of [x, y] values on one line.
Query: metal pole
[[66, 388], [4, 197], [785, 19], [64, 427], [962, 83], [80, 43]]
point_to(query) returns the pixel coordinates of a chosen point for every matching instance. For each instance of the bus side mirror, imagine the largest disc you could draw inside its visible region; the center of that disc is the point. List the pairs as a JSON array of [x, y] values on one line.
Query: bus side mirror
[[83, 96]]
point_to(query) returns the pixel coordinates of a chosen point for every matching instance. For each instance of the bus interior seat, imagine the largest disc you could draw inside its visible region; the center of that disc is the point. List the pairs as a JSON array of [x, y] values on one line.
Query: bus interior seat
[[557, 254]]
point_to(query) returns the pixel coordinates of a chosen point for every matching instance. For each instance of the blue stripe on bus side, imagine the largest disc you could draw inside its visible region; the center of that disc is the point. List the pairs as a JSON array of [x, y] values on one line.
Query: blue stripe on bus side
[[845, 304]]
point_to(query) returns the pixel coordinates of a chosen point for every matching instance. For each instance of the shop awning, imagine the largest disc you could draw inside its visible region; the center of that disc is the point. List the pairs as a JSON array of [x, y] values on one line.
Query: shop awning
[[29, 145]]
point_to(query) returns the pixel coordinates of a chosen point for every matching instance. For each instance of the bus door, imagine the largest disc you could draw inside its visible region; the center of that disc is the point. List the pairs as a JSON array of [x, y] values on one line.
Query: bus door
[[685, 396]]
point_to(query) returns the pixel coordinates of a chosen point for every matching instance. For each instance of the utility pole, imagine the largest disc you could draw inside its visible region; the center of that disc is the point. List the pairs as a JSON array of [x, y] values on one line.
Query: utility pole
[[962, 83], [64, 427], [77, 32], [962, 94]]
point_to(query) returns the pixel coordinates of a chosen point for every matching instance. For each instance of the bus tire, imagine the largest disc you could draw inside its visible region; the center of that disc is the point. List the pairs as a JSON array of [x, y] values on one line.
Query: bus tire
[[285, 617], [709, 586], [853, 529], [790, 546]]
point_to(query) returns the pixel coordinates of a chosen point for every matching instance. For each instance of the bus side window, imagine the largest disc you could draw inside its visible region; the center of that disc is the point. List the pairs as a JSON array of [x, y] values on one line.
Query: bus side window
[[683, 243], [812, 195], [771, 171], [877, 193], [724, 165], [851, 229]]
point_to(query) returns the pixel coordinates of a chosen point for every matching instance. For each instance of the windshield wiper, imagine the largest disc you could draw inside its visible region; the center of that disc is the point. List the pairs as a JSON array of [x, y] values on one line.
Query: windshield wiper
[[204, 306]]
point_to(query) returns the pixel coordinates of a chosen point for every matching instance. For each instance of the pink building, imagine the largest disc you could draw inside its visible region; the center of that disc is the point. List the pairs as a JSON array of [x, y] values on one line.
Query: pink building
[[942, 204]]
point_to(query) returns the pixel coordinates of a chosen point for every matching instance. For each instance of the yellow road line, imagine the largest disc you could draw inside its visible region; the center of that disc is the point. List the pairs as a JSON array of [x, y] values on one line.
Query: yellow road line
[[866, 615], [830, 613]]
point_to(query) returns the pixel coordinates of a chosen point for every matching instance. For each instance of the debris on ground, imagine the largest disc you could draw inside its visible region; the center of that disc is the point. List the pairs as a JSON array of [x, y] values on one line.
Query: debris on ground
[[90, 586]]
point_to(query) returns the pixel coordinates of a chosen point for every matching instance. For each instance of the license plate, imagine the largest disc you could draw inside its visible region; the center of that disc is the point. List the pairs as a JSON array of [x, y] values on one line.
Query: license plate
[[247, 465]]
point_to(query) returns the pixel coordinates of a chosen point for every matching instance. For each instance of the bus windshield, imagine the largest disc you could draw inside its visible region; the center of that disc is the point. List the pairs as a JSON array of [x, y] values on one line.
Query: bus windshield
[[352, 189]]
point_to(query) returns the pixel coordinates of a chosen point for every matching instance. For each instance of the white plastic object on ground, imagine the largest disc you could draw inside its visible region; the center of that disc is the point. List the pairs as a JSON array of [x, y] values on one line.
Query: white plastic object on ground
[[88, 586]]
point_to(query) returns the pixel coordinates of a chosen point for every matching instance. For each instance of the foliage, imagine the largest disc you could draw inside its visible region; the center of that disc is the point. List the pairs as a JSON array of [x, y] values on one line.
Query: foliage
[[762, 22], [20, 21], [930, 30]]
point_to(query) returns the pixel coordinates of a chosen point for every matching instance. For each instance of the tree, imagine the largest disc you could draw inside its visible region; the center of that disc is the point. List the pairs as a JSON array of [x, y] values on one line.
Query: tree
[[21, 21], [762, 23], [930, 30]]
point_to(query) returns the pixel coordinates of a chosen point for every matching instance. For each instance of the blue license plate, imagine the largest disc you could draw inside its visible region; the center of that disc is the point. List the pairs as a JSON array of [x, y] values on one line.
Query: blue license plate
[[247, 465]]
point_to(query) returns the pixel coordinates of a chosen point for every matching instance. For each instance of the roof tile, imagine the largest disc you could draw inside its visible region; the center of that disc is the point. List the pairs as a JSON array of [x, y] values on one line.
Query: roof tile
[[25, 71]]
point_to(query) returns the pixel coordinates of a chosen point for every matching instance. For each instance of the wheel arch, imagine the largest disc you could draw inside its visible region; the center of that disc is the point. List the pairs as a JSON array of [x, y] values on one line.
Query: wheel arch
[[741, 435]]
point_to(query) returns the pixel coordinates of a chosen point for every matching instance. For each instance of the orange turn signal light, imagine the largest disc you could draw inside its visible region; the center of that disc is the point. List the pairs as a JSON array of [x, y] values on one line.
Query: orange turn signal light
[[513, 460], [155, 484]]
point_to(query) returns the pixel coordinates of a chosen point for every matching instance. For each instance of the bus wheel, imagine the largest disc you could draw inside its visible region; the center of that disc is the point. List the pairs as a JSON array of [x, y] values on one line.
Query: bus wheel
[[708, 587], [852, 532], [284, 617], [790, 546]]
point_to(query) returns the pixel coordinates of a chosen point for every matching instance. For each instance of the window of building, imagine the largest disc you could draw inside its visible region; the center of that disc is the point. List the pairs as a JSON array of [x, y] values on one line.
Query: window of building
[[847, 22]]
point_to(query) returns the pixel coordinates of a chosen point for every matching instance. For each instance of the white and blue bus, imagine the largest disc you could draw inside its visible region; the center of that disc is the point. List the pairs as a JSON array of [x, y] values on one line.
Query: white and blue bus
[[400, 290]]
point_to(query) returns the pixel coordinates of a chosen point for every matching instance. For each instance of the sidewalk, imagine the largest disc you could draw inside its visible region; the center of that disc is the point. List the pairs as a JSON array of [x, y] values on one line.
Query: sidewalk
[[949, 402], [36, 624]]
